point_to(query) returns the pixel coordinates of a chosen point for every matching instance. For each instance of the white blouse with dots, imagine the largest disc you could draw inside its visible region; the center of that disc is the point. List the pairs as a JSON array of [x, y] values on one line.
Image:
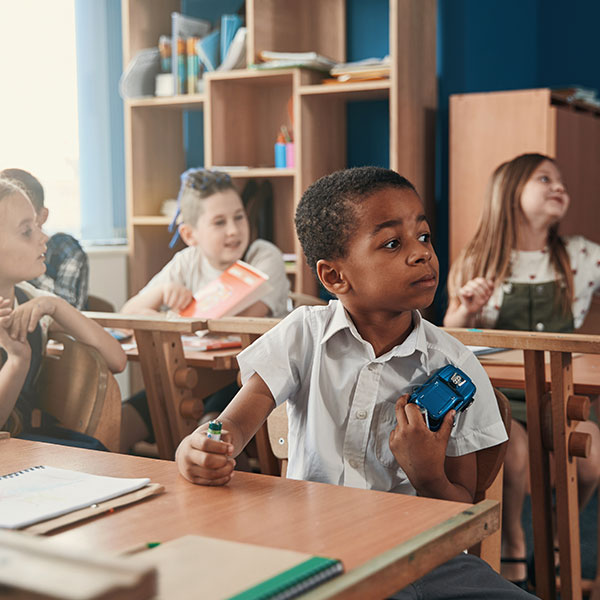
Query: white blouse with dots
[[535, 267]]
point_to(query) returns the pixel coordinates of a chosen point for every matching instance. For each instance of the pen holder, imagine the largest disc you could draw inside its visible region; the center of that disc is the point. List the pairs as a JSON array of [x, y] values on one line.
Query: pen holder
[[280, 162]]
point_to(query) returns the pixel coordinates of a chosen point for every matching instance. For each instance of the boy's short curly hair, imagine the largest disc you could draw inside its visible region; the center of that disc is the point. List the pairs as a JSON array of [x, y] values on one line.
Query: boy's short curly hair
[[326, 215]]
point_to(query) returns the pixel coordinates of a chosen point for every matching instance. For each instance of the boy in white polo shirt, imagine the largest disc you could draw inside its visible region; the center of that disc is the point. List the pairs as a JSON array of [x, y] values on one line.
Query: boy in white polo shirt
[[346, 369]]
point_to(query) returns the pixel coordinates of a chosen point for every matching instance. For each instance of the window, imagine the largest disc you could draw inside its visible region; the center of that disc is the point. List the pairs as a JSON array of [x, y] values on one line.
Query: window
[[38, 116], [61, 117]]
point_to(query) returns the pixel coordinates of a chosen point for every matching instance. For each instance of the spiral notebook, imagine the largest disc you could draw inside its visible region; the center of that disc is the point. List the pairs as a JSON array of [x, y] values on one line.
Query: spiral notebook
[[216, 569], [40, 493]]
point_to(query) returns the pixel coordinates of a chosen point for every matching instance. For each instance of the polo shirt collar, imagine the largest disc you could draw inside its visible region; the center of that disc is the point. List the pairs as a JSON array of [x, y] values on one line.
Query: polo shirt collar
[[415, 341]]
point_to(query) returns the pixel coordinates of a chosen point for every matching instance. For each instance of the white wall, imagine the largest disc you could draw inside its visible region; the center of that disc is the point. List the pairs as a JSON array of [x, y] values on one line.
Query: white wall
[[108, 280]]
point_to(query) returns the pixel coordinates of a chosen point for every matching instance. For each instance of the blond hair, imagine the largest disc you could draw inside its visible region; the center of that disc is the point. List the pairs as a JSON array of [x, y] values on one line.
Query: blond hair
[[196, 185], [488, 253], [9, 187]]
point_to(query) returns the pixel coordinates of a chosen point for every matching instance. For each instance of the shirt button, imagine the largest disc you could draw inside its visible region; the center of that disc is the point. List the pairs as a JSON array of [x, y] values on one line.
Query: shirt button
[[361, 414], [539, 327], [353, 463]]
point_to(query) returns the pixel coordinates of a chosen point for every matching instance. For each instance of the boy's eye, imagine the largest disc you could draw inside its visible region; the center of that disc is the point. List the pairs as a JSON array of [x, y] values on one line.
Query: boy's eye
[[27, 232], [425, 238], [392, 244], [219, 222], [239, 217], [544, 179]]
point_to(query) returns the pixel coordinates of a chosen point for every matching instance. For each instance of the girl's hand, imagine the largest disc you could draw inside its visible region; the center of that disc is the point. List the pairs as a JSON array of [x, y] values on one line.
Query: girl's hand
[[420, 452], [27, 315], [176, 296], [475, 294], [205, 461], [13, 348]]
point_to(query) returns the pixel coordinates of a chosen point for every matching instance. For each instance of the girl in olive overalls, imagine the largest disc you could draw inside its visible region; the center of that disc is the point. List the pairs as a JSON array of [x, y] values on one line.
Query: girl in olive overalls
[[518, 273], [26, 315]]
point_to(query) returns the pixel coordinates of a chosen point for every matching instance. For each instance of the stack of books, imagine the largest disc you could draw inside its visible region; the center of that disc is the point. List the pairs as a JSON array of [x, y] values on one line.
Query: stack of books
[[361, 70], [288, 60]]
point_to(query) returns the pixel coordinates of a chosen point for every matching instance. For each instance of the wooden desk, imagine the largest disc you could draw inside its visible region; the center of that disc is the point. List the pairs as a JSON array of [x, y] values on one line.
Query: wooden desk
[[175, 387], [558, 436], [384, 540], [586, 373]]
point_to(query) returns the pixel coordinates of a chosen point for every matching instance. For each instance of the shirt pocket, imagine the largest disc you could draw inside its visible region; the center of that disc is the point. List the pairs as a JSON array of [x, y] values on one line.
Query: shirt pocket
[[386, 423]]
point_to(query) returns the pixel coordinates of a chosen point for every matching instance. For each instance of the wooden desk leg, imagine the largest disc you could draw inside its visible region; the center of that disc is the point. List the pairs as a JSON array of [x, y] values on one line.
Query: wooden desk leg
[[161, 354], [171, 358], [567, 509], [539, 473], [155, 393]]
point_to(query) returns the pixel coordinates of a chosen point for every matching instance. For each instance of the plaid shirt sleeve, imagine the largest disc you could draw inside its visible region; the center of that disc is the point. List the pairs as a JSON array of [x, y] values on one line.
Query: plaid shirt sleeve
[[67, 270]]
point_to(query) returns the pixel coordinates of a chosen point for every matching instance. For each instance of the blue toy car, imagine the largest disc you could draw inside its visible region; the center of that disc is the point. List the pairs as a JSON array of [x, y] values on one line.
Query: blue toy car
[[448, 388]]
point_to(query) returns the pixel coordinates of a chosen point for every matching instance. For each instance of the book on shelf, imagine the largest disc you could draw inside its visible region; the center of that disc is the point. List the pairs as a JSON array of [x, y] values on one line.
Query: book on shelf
[[236, 53], [40, 493], [207, 49], [233, 570], [182, 28], [369, 68], [285, 60], [229, 27], [237, 288]]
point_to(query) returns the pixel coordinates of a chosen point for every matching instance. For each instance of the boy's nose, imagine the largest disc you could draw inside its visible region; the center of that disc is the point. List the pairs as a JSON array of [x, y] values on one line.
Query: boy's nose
[[420, 255]]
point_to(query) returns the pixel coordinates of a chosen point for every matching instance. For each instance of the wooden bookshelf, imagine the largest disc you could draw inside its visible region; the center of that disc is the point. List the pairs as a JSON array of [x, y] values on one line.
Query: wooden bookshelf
[[244, 109]]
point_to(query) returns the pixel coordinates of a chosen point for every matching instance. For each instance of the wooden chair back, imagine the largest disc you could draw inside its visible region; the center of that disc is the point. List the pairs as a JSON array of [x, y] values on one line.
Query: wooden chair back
[[97, 304], [80, 391]]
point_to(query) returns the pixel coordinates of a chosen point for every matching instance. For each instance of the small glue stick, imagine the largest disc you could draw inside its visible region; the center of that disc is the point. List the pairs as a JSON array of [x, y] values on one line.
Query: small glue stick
[[214, 430]]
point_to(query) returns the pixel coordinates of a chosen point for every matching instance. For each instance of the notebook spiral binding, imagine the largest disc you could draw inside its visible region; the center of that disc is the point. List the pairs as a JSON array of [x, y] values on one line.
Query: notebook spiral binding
[[300, 587], [21, 472]]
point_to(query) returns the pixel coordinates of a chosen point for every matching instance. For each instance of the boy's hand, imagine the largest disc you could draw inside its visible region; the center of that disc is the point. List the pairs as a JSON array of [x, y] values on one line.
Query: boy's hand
[[205, 461], [420, 452], [176, 296], [475, 294], [27, 315], [14, 348]]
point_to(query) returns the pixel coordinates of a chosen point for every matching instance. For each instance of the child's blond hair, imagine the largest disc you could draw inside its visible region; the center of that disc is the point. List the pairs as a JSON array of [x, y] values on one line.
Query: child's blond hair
[[196, 185], [9, 187]]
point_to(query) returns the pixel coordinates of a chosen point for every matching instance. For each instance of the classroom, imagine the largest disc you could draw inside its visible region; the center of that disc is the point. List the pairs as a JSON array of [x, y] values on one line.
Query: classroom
[[307, 289]]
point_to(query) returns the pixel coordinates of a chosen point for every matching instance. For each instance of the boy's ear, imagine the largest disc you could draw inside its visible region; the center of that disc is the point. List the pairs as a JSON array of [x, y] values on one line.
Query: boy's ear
[[332, 277], [187, 234], [42, 216]]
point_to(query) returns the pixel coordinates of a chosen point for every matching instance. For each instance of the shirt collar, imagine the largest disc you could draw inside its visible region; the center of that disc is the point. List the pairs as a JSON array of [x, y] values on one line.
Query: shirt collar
[[415, 341]]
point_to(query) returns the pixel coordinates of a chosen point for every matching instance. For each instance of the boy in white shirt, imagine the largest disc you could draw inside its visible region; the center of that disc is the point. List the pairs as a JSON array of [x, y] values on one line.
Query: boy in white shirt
[[346, 370]]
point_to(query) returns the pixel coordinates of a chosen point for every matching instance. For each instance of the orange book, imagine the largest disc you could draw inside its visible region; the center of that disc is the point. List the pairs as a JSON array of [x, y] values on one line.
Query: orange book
[[237, 288]]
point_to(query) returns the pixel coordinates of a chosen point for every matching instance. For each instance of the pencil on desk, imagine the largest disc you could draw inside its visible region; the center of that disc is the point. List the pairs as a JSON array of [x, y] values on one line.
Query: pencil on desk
[[141, 547]]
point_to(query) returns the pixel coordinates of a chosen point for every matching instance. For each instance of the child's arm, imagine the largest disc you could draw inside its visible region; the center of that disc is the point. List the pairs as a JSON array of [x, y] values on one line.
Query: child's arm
[[258, 309], [68, 319], [422, 455], [470, 299], [14, 370], [173, 295], [209, 462]]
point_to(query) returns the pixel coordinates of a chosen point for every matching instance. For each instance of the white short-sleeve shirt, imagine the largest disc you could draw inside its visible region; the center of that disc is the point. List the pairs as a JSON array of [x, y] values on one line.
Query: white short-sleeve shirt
[[191, 269], [341, 398], [534, 267]]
